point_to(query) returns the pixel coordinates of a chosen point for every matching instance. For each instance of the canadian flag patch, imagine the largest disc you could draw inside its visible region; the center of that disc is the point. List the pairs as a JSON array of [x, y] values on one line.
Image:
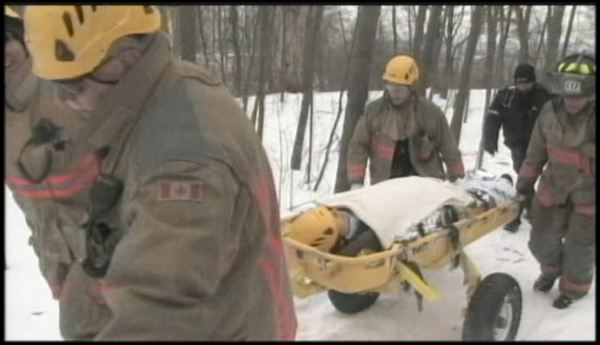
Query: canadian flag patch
[[182, 191]]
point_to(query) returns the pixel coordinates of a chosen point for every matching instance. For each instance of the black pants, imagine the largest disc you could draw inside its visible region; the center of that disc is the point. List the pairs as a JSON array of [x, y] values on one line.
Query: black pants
[[518, 153]]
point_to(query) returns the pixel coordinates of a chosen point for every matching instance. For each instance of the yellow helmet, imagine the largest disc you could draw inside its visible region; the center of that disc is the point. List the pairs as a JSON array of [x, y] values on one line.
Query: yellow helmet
[[319, 227], [401, 69], [70, 41], [9, 12]]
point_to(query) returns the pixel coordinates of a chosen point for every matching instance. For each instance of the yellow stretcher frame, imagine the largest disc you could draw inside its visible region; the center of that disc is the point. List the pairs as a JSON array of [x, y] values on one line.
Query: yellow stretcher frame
[[313, 271]]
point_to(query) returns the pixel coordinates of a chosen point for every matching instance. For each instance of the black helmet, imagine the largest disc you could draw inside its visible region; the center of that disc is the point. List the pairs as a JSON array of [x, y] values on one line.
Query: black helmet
[[574, 76]]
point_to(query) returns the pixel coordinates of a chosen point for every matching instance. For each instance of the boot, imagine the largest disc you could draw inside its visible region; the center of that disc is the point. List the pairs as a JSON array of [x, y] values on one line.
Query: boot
[[544, 283], [562, 301], [513, 226]]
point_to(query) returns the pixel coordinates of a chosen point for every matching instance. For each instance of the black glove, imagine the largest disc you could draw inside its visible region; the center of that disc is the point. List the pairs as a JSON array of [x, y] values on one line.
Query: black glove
[[525, 193], [524, 187]]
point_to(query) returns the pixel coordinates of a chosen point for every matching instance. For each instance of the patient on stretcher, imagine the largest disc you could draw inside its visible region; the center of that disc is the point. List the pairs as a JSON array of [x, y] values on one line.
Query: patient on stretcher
[[376, 216]]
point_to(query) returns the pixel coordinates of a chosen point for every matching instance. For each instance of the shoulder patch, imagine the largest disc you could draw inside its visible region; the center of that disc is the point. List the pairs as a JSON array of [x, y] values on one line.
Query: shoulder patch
[[206, 74]]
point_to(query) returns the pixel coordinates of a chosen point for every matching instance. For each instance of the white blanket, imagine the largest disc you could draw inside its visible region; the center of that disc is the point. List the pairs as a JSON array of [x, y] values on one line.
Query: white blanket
[[391, 207]]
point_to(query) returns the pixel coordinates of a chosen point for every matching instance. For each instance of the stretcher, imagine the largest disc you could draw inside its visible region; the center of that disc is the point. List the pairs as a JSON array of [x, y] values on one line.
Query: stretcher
[[354, 282]]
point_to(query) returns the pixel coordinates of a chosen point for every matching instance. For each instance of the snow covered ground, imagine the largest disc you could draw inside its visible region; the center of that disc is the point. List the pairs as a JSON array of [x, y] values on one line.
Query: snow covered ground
[[31, 313]]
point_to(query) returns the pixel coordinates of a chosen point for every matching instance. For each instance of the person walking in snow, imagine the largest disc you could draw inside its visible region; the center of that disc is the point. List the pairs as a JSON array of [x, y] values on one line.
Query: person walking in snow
[[35, 123], [515, 109], [402, 133], [563, 151], [179, 216]]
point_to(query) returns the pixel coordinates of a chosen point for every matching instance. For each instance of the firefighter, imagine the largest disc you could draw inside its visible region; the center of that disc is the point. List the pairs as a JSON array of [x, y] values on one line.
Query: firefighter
[[180, 220], [402, 133], [515, 109], [33, 123], [563, 151]]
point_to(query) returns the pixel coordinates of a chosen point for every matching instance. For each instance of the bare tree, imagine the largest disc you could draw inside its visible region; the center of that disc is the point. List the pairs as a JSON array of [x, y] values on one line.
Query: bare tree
[[173, 12], [313, 24], [541, 39], [554, 31], [409, 15], [505, 25], [489, 70], [201, 31], [264, 20], [465, 73], [294, 19], [187, 26], [523, 27], [568, 35], [251, 44], [419, 26], [343, 87], [367, 19], [221, 34], [427, 60], [394, 31], [237, 56], [448, 39]]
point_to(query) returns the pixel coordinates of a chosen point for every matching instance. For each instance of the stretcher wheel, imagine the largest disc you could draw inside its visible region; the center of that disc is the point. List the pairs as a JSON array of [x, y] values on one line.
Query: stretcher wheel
[[356, 302], [494, 312]]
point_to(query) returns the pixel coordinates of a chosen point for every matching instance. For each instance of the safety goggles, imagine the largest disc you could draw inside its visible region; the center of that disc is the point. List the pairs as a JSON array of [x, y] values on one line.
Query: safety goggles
[[77, 85]]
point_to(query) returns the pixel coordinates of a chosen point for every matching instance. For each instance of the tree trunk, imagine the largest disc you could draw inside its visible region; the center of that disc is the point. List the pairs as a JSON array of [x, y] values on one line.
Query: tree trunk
[[187, 26], [250, 67], [502, 43], [409, 15], [465, 73], [568, 36], [426, 65], [360, 64], [552, 44], [222, 42], [523, 27], [237, 56], [541, 41], [394, 31], [419, 26], [313, 25], [264, 21], [434, 78], [310, 140], [489, 71], [176, 34], [449, 37], [455, 62], [202, 34], [293, 17], [343, 87]]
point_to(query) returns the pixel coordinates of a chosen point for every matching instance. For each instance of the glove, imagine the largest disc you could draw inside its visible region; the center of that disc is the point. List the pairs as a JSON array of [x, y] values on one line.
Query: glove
[[524, 187], [490, 147], [525, 193]]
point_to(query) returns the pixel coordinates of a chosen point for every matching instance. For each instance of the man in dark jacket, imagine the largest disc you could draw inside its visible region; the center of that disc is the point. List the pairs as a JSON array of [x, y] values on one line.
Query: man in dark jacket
[[515, 109]]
